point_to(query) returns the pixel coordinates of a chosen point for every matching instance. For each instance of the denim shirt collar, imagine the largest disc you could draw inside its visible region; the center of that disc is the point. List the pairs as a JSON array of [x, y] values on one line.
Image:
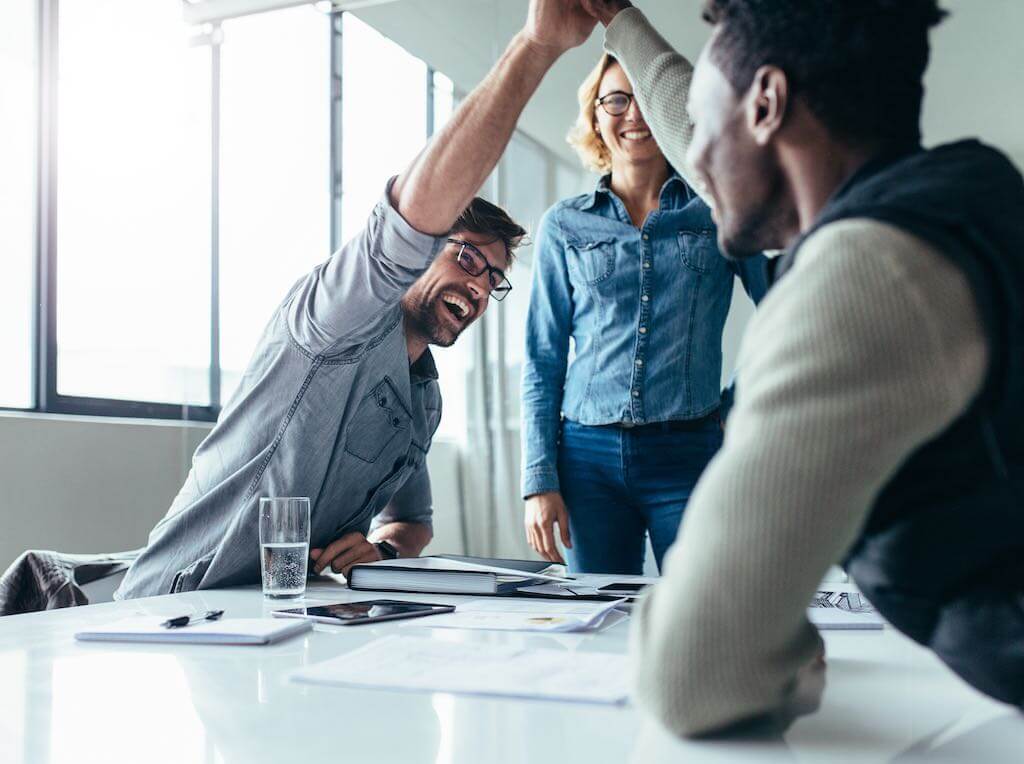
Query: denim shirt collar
[[674, 191]]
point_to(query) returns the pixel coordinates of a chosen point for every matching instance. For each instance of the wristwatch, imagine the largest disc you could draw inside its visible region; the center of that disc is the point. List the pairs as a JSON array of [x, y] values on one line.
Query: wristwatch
[[387, 552]]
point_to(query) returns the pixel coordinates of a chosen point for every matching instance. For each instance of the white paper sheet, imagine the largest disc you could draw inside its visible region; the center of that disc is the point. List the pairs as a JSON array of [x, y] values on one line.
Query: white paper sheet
[[429, 665], [504, 614]]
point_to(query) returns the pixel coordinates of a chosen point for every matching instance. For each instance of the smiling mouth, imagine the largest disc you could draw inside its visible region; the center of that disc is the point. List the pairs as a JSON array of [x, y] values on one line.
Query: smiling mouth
[[635, 135], [456, 307]]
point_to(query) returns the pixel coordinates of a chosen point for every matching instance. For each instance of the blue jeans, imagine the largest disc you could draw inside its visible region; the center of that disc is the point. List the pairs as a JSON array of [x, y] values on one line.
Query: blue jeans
[[620, 484]]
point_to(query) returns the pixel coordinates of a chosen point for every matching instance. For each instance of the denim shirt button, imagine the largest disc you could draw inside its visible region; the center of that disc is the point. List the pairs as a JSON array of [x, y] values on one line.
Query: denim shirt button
[[646, 237], [639, 362], [644, 298], [643, 330], [647, 263], [636, 393]]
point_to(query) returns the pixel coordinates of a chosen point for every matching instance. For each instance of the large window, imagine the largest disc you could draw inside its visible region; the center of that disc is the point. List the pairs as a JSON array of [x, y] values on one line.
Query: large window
[[385, 117], [274, 170], [17, 198], [133, 204]]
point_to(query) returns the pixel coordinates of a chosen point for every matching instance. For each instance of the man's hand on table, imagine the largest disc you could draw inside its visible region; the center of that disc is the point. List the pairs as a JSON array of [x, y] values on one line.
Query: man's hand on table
[[341, 554]]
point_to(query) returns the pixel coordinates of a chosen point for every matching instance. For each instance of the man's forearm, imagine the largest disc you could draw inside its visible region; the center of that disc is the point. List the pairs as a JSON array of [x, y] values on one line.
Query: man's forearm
[[444, 178], [408, 538]]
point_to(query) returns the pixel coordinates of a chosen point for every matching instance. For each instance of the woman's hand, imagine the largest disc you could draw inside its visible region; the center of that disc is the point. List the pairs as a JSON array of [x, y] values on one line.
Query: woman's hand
[[543, 511], [557, 25]]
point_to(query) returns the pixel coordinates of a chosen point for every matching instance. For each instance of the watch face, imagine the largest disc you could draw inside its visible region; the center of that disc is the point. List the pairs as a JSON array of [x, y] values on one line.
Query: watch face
[[387, 551]]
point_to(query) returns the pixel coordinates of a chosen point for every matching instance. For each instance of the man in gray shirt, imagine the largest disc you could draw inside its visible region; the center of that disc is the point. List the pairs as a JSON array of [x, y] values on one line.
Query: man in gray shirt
[[340, 400]]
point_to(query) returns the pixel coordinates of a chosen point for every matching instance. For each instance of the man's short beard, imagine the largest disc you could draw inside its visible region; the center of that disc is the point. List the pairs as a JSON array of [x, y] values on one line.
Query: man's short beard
[[421, 318], [770, 225]]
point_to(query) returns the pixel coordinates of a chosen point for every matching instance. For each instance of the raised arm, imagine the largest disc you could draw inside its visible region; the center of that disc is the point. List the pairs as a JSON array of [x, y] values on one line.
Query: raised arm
[[346, 300], [443, 179]]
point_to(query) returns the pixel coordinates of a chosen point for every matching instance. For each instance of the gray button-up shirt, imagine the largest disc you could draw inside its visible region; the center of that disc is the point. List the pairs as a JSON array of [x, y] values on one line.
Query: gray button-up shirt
[[328, 408]]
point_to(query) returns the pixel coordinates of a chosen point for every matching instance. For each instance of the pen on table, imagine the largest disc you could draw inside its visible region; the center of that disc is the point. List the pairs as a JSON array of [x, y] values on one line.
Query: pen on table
[[188, 620]]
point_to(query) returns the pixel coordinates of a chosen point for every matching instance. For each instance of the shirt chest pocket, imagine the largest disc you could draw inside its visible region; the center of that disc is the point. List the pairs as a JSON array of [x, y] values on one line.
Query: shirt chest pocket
[[589, 261], [699, 250], [380, 419]]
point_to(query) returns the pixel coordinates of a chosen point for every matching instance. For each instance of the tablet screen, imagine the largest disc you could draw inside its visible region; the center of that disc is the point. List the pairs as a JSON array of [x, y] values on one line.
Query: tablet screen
[[371, 610]]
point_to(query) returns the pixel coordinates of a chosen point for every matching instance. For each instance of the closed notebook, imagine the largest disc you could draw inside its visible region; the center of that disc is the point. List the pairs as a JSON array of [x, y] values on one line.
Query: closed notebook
[[443, 575], [227, 631]]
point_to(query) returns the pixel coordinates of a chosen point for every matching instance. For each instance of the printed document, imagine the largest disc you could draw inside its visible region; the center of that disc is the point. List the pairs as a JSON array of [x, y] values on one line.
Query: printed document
[[422, 664], [524, 615]]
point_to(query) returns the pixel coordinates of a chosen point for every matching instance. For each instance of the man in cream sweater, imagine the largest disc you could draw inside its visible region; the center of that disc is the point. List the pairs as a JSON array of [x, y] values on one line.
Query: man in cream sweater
[[879, 418]]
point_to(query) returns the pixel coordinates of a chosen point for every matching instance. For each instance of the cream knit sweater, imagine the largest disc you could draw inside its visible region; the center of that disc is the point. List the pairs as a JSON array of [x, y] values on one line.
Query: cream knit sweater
[[869, 346]]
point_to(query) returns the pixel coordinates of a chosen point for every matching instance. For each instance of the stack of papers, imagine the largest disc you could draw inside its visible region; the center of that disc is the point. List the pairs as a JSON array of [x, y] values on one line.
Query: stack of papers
[[427, 665], [524, 615]]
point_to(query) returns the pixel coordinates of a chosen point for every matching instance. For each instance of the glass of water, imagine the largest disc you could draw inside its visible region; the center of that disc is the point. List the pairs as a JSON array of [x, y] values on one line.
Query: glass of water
[[284, 546]]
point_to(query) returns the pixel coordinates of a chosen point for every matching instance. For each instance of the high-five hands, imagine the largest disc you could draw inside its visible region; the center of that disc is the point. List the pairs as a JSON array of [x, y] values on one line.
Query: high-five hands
[[558, 25], [604, 10]]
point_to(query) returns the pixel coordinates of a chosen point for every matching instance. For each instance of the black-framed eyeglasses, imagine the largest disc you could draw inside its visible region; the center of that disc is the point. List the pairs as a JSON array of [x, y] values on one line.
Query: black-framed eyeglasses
[[615, 103], [473, 262]]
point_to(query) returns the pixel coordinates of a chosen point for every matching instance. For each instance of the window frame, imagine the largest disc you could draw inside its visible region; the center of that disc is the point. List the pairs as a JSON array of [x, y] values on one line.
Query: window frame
[[43, 327]]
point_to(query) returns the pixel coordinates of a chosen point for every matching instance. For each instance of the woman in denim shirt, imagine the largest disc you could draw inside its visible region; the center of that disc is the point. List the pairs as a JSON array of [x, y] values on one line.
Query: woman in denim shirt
[[614, 442]]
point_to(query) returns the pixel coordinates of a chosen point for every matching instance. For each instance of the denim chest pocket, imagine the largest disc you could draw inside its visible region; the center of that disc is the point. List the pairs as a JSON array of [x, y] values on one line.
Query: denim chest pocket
[[380, 418], [699, 249], [590, 261]]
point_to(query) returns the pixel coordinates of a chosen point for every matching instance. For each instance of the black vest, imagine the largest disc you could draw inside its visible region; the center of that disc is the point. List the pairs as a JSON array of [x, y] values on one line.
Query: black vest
[[942, 553]]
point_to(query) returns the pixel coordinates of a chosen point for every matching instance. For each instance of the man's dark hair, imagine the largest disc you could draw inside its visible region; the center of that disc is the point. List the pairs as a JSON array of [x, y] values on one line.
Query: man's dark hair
[[857, 64], [482, 217]]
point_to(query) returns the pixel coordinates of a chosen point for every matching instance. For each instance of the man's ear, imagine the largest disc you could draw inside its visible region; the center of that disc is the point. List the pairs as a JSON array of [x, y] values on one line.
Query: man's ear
[[766, 103]]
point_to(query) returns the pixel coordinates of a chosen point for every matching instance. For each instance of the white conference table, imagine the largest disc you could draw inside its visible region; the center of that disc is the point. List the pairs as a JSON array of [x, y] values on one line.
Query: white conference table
[[887, 700]]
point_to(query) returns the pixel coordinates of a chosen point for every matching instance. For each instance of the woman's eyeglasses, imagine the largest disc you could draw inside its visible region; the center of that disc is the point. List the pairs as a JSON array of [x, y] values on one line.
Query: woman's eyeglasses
[[473, 262], [616, 103]]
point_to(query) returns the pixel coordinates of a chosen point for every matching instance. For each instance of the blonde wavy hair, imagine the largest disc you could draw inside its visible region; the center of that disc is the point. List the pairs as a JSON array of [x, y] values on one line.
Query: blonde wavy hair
[[583, 136]]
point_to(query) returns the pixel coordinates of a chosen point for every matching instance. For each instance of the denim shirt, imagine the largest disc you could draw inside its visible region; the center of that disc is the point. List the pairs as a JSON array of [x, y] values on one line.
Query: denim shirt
[[329, 407], [644, 310]]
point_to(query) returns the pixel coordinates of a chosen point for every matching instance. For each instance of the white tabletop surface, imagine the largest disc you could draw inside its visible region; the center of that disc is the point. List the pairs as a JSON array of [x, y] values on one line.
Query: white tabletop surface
[[888, 700]]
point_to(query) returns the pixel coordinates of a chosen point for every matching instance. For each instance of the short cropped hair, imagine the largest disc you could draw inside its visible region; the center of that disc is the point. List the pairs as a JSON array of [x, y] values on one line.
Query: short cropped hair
[[583, 136], [482, 217], [857, 64]]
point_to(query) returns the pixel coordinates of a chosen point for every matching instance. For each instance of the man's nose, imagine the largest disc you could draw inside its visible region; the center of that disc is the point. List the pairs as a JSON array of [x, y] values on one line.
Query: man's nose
[[480, 286]]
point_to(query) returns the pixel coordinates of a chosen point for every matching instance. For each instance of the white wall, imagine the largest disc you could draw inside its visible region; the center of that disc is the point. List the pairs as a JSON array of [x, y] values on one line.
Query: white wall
[[85, 484]]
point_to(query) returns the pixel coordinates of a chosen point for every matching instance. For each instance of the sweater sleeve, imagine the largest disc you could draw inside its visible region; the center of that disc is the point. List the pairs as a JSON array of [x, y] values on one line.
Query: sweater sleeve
[[868, 348], [661, 82]]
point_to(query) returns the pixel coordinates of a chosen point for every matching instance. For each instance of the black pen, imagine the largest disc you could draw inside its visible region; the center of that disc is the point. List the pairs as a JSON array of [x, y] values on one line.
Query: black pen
[[188, 620]]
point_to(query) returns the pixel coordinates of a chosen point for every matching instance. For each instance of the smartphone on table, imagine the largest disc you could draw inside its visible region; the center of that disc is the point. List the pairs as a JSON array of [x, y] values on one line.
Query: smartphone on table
[[369, 611], [622, 589]]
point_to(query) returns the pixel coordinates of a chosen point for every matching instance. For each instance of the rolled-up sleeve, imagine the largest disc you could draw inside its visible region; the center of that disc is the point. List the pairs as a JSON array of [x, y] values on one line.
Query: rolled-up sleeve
[[347, 299], [548, 326], [412, 503]]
